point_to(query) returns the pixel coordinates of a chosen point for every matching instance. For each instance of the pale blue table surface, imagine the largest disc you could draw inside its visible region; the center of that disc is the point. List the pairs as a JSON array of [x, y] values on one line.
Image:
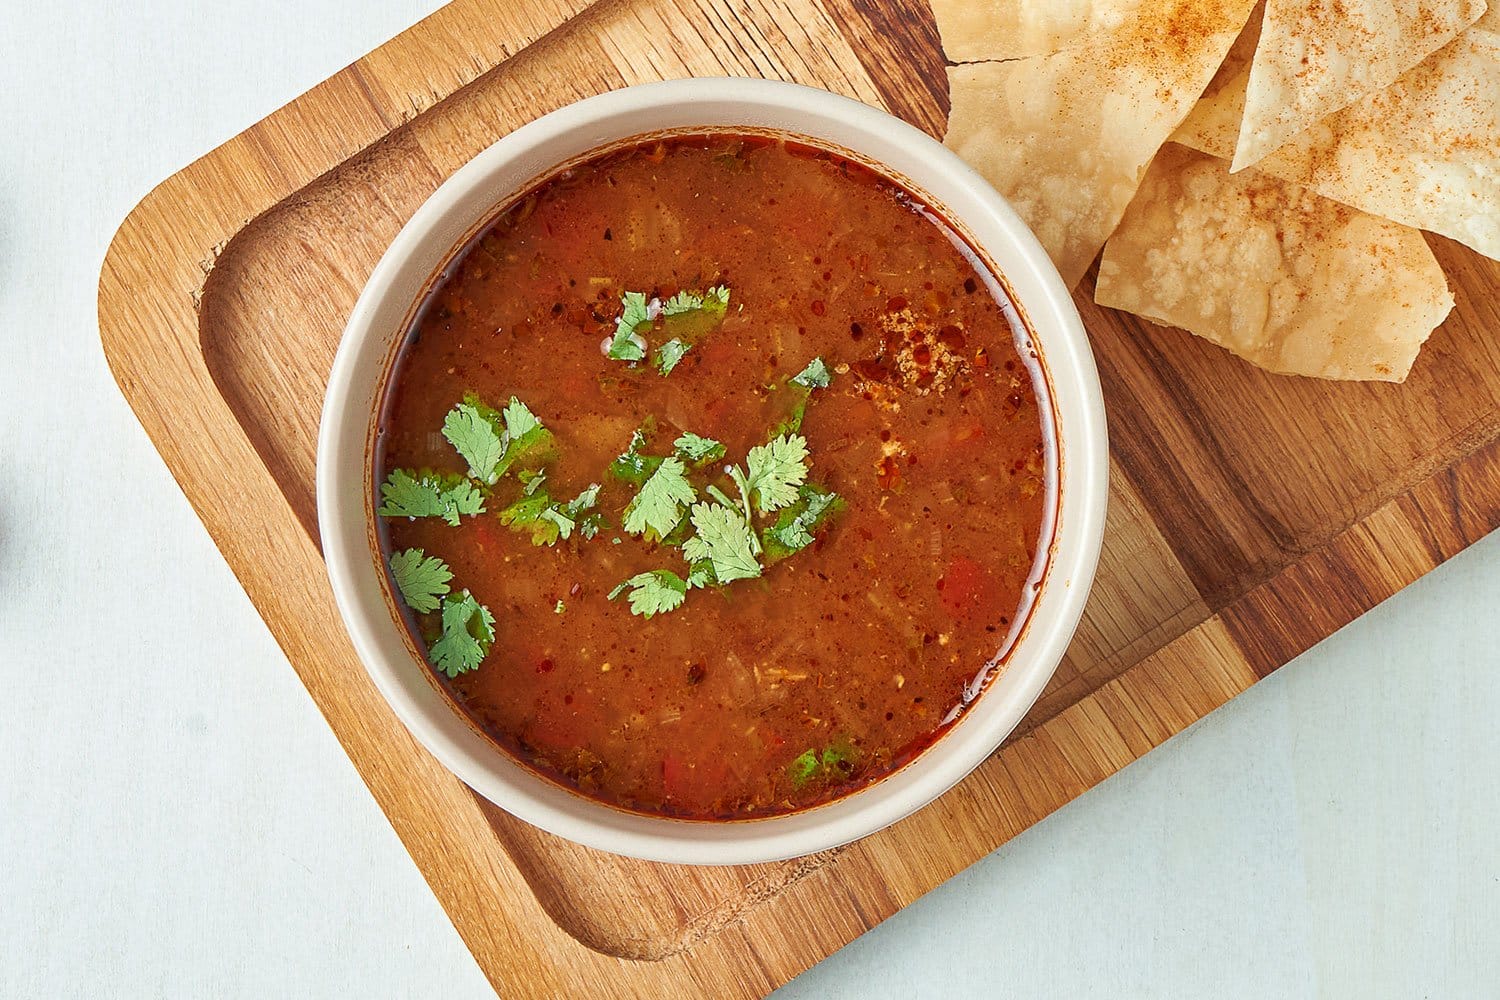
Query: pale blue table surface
[[177, 820]]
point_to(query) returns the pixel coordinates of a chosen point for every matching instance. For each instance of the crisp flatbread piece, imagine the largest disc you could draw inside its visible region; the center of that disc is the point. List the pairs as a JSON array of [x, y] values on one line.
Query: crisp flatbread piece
[[1318, 56], [1066, 137], [1010, 29], [1285, 279], [1424, 152]]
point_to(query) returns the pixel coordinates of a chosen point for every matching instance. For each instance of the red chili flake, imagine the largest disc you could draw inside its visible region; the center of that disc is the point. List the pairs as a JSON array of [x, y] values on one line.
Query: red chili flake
[[970, 286], [896, 303], [922, 355], [856, 331], [544, 666], [982, 359], [819, 308], [696, 673]]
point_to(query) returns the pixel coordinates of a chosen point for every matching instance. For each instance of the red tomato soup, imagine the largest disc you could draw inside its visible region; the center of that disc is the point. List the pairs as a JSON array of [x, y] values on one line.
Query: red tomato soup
[[712, 478]]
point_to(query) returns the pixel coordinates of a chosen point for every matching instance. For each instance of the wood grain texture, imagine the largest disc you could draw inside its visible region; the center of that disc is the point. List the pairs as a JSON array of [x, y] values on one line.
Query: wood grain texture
[[1251, 514]]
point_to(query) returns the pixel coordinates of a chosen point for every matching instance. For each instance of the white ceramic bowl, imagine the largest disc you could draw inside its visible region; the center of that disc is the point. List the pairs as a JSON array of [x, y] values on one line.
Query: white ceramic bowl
[[468, 198]]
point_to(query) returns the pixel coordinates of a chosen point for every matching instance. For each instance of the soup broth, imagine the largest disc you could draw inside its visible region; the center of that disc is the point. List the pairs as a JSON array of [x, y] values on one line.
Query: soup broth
[[777, 408]]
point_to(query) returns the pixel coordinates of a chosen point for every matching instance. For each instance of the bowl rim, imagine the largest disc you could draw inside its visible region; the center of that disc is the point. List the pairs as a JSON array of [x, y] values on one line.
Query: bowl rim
[[1081, 492]]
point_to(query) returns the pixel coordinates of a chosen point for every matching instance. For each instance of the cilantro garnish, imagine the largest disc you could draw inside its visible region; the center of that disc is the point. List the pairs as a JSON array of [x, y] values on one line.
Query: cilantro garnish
[[421, 578], [492, 441], [637, 313], [698, 450], [548, 520], [775, 470], [836, 761], [527, 441], [668, 354], [653, 592], [476, 433], [793, 529], [626, 346], [428, 494], [725, 540], [631, 466], [468, 632], [660, 503], [715, 300], [815, 376], [803, 767]]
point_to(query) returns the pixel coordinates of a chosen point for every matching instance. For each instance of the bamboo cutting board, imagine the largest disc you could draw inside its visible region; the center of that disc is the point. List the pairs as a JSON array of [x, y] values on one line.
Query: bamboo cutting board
[[1251, 514]]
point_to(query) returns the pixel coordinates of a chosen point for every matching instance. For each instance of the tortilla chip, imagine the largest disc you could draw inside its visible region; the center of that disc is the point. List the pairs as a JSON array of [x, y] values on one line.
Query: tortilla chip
[[1424, 152], [1066, 138], [1287, 280], [974, 30], [1316, 58], [1490, 19]]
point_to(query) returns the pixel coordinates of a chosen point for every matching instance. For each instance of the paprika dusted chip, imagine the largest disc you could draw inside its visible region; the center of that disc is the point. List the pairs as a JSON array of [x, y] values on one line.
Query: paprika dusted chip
[[1067, 137], [1316, 58], [1288, 280]]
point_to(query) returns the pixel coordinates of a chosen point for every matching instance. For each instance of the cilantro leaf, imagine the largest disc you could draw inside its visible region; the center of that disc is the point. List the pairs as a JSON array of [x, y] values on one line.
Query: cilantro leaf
[[775, 471], [428, 494], [836, 761], [634, 314], [653, 592], [716, 299], [803, 767], [549, 520], [698, 450], [531, 480], [668, 354], [631, 466], [683, 302], [724, 540], [468, 632], [475, 433], [421, 578], [815, 376], [793, 530], [660, 503], [527, 440]]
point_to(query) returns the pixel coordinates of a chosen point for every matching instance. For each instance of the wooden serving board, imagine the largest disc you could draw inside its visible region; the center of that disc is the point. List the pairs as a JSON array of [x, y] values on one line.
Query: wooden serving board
[[1252, 514]]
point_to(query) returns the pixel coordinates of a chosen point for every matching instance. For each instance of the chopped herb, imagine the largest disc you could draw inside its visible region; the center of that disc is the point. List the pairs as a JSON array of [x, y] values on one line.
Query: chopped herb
[[715, 301], [549, 520], [725, 540], [775, 471], [633, 314], [668, 354], [653, 592], [476, 433], [701, 574], [836, 762], [468, 632], [815, 376], [793, 530], [803, 767], [492, 441], [531, 480], [528, 442], [429, 494], [631, 466], [560, 608], [422, 579], [661, 501], [698, 450]]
